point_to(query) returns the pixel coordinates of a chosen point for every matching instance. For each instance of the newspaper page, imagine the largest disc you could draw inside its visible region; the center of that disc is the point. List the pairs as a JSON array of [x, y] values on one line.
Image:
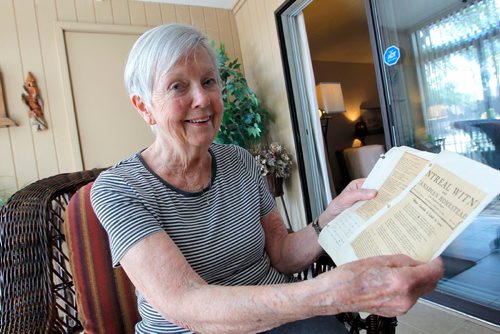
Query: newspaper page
[[392, 173], [423, 219], [405, 171]]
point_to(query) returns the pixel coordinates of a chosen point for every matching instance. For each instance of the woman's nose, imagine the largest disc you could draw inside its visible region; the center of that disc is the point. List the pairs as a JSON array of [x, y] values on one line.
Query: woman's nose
[[200, 97]]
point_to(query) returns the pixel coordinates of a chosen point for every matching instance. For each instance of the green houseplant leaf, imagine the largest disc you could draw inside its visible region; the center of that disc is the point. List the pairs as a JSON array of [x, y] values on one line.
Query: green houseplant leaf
[[244, 120]]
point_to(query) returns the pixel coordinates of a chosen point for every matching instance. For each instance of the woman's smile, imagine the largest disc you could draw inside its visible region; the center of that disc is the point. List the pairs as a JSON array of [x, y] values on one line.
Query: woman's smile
[[199, 120]]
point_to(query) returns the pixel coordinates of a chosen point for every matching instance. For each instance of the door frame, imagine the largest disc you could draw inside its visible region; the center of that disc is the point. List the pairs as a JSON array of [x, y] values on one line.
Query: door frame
[[382, 85], [309, 144]]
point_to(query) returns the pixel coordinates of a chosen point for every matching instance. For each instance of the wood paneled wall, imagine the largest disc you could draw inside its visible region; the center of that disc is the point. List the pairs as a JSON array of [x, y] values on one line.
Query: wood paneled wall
[[264, 71], [28, 43]]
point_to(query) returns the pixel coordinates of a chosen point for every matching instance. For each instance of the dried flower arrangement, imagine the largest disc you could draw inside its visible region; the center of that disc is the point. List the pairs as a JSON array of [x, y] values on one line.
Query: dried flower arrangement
[[273, 159]]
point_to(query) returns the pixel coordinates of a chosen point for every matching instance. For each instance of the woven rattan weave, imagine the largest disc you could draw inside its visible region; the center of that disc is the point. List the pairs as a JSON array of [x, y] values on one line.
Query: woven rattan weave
[[36, 288]]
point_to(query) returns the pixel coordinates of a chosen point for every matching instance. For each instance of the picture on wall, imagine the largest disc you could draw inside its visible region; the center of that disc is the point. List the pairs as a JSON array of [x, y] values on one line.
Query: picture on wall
[[372, 116]]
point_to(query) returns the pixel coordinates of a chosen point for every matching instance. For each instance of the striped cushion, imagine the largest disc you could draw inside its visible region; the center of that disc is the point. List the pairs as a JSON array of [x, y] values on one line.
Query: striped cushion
[[106, 299]]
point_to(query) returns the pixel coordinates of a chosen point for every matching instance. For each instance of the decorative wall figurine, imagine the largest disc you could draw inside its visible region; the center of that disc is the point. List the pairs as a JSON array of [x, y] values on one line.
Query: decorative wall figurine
[[33, 100]]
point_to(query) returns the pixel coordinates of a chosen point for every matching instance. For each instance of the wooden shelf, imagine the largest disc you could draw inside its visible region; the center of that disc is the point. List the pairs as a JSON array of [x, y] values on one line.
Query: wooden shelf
[[5, 122]]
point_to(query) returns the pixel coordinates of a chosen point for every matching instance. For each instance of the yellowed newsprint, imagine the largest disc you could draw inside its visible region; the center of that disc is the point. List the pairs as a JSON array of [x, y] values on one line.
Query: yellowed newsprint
[[424, 202]]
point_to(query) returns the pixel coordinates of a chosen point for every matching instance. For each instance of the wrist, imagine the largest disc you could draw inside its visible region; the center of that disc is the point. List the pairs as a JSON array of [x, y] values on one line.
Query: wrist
[[316, 226], [324, 299]]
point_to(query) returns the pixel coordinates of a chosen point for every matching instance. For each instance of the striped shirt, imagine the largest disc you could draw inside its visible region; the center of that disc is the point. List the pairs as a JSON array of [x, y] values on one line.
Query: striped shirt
[[217, 229]]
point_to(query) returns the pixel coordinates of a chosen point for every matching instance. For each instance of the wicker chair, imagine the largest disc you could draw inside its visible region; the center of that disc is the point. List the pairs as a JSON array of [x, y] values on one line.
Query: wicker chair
[[37, 292], [372, 324], [36, 288]]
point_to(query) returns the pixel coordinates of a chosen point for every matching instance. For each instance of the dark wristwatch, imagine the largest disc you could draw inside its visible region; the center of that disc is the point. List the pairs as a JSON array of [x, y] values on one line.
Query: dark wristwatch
[[315, 225]]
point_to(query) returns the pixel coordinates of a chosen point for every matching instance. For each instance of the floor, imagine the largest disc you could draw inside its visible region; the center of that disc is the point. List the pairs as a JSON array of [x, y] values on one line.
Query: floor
[[428, 318], [481, 282]]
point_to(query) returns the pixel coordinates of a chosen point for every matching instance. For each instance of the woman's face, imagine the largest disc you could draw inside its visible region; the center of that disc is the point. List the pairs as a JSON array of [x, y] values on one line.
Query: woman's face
[[186, 102]]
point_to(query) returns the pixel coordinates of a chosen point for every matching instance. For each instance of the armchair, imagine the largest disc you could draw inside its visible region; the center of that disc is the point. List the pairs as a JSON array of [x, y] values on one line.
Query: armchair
[[55, 268], [360, 160], [105, 297], [36, 287]]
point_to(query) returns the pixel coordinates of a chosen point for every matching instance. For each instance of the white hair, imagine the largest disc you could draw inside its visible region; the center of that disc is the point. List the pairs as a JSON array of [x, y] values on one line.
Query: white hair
[[156, 51]]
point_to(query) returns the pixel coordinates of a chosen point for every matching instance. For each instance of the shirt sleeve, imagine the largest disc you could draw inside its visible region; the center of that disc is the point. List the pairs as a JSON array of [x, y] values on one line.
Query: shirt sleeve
[[121, 213]]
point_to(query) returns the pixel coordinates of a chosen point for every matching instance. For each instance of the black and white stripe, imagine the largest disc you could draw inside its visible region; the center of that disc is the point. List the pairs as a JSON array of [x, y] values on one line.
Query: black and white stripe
[[218, 229]]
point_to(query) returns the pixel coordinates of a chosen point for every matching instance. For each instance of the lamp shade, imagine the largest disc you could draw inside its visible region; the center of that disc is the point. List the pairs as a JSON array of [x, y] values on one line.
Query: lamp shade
[[330, 98]]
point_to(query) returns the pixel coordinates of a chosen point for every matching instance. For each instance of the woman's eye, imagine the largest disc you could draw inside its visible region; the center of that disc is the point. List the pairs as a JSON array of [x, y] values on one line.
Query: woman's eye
[[210, 82], [175, 87]]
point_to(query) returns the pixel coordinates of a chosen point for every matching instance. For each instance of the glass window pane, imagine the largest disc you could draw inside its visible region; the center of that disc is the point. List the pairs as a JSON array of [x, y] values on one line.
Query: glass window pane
[[444, 94]]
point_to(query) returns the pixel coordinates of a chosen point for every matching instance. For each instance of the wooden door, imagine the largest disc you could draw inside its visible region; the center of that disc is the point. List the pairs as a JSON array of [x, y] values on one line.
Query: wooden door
[[109, 128]]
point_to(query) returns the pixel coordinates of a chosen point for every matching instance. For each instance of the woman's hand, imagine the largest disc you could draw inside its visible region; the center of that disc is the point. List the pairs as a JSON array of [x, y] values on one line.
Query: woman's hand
[[384, 285], [350, 195]]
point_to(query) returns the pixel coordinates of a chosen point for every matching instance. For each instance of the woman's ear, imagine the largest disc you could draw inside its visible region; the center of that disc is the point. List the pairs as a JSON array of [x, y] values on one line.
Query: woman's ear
[[142, 109]]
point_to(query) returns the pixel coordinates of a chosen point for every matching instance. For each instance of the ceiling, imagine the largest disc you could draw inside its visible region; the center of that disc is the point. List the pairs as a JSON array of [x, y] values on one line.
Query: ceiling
[[226, 4], [337, 30]]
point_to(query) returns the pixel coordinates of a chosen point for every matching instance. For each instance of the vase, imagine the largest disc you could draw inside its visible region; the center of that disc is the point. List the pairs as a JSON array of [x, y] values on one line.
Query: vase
[[275, 185]]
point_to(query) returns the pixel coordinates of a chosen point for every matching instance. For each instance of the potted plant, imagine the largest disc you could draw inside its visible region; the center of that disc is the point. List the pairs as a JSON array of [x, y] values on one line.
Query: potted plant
[[244, 120], [275, 165], [3, 199], [5, 193]]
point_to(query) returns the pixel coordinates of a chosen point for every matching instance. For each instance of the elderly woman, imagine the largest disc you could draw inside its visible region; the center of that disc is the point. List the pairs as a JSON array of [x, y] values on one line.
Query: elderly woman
[[196, 230]]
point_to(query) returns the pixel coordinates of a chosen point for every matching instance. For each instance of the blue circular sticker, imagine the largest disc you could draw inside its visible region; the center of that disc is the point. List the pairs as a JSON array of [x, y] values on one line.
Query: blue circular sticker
[[391, 55]]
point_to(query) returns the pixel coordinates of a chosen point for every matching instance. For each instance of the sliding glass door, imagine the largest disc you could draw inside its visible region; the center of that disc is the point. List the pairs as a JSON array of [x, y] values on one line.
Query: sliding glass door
[[439, 76]]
